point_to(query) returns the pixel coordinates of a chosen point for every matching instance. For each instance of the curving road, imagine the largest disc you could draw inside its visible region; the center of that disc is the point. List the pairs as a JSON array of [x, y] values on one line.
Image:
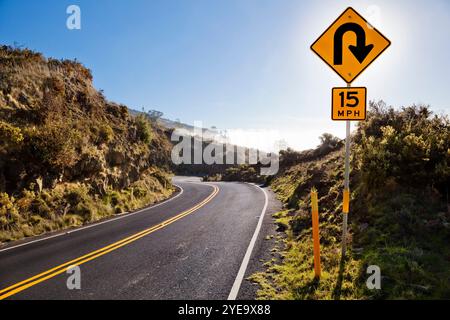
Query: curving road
[[194, 246]]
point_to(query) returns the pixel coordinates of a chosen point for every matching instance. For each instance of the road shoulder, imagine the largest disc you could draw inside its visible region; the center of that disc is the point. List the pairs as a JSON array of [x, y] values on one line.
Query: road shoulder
[[262, 252]]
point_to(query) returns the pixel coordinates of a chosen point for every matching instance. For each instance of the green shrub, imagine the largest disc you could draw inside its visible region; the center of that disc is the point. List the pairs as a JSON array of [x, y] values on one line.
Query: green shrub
[[6, 203], [76, 194], [143, 129], [411, 146], [53, 144], [105, 133], [9, 134]]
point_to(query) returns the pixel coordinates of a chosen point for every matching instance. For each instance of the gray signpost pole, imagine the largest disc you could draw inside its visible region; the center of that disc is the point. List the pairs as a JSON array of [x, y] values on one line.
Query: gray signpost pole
[[330, 48], [346, 202]]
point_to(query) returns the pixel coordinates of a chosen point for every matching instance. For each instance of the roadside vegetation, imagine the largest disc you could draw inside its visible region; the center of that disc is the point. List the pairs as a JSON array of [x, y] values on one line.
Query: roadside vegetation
[[399, 217], [243, 173], [67, 155]]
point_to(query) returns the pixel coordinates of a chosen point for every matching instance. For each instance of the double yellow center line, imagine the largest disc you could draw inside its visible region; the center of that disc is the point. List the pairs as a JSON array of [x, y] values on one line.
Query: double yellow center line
[[20, 286]]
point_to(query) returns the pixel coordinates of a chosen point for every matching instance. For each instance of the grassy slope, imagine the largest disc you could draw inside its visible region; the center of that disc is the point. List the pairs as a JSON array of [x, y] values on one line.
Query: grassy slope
[[399, 218], [67, 155]]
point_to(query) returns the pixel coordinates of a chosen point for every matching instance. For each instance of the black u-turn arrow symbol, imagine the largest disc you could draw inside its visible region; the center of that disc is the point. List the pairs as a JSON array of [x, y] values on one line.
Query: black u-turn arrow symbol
[[360, 51]]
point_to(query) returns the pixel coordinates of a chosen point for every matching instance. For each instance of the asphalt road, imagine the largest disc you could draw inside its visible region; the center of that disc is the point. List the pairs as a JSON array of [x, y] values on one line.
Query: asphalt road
[[190, 247]]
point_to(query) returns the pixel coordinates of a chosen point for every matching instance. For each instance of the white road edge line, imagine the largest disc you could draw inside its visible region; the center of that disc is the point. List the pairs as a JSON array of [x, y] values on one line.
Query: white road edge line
[[241, 273], [95, 224]]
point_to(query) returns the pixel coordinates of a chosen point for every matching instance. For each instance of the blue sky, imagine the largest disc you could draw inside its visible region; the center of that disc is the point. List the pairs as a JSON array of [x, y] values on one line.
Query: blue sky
[[239, 64]]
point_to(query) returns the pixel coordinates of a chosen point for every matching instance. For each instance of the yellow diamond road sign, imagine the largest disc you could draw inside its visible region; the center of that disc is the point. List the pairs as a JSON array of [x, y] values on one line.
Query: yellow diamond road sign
[[350, 45]]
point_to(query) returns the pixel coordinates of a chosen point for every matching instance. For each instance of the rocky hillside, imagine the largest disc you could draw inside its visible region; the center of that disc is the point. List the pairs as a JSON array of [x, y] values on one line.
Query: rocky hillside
[[67, 155]]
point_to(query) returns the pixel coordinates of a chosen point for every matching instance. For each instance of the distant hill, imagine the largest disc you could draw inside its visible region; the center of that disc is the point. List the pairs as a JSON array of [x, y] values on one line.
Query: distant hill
[[208, 134]]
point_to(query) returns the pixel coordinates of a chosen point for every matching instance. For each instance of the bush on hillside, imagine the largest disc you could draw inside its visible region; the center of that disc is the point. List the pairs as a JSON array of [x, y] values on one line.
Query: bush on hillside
[[328, 144], [144, 129], [410, 146], [399, 214]]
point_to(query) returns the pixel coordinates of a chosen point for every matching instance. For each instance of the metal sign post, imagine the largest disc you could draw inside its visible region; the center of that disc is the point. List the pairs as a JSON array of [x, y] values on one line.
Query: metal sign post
[[346, 202], [349, 57]]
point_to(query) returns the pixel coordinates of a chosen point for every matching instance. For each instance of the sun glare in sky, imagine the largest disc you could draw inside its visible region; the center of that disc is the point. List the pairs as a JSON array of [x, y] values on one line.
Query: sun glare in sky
[[243, 66]]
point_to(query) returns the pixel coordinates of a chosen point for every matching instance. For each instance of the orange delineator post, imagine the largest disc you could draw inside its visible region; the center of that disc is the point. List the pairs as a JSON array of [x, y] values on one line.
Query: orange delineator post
[[315, 226], [346, 201]]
